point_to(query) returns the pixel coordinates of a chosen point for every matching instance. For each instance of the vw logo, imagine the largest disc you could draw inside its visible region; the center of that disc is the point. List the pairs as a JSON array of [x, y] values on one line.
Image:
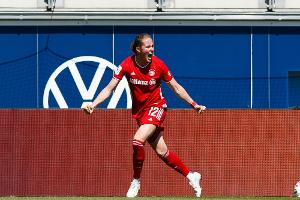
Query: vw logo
[[87, 93]]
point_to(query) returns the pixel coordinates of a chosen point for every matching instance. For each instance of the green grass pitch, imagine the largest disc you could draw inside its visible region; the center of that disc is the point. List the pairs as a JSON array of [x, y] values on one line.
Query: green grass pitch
[[146, 198]]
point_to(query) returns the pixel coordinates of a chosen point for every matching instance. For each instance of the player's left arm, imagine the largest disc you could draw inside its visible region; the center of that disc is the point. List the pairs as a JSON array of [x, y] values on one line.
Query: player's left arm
[[182, 94]]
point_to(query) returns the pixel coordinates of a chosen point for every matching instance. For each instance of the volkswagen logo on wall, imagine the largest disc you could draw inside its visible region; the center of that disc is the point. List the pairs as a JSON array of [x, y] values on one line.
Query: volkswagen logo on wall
[[86, 90]]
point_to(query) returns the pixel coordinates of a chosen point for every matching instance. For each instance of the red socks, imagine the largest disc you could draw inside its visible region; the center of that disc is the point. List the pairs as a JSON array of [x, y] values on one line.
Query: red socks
[[138, 158], [172, 160]]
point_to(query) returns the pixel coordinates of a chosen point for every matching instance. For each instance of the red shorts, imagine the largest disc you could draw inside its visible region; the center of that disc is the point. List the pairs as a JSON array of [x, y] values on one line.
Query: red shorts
[[153, 115]]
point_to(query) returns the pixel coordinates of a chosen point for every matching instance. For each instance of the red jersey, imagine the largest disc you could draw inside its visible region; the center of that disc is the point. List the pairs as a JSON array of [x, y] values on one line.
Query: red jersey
[[144, 83]]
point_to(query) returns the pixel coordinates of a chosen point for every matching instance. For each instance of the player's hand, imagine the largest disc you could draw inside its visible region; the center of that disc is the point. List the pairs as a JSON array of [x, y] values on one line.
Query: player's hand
[[199, 108], [88, 109]]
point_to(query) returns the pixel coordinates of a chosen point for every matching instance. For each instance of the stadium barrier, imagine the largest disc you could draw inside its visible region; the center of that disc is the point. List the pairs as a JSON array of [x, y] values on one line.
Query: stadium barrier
[[68, 153]]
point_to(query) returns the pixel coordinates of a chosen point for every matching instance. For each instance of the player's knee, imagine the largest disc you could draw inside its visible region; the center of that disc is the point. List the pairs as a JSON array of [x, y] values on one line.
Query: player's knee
[[162, 153]]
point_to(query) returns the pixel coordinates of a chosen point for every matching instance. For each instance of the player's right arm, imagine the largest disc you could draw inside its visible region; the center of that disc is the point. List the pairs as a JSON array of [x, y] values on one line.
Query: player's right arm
[[102, 96]]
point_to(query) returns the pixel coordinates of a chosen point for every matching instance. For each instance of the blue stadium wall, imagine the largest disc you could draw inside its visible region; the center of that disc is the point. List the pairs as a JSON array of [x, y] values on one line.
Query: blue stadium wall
[[221, 67]]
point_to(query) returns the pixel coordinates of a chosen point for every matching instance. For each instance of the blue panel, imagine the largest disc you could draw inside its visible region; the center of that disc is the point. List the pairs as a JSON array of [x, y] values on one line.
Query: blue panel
[[213, 63], [18, 65], [294, 89], [58, 45], [285, 48], [260, 68]]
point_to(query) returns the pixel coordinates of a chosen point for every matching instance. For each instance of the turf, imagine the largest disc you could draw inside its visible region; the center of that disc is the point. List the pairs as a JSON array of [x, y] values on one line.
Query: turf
[[146, 198]]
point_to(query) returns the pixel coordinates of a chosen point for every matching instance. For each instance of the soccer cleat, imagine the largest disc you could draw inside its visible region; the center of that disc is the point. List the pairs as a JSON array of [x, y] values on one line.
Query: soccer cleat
[[194, 180], [134, 188]]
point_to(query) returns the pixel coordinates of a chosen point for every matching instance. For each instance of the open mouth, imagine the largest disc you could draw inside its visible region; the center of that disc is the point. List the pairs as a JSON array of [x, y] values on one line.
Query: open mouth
[[150, 55]]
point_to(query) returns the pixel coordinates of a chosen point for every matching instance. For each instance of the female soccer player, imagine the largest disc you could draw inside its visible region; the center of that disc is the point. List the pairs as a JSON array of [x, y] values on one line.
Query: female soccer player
[[144, 73]]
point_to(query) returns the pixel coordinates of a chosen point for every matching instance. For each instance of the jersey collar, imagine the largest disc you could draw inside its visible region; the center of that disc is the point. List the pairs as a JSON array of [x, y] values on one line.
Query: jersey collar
[[140, 66]]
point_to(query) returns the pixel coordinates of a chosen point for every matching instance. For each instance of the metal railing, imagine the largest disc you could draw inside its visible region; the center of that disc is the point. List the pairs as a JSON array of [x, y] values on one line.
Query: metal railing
[[164, 4], [167, 5]]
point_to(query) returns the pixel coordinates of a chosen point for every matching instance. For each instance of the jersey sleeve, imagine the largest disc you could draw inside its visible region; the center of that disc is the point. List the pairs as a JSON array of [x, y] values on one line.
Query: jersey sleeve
[[119, 73], [166, 74]]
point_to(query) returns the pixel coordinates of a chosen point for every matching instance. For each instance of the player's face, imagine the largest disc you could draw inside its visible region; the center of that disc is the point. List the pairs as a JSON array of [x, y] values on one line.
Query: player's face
[[146, 50]]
